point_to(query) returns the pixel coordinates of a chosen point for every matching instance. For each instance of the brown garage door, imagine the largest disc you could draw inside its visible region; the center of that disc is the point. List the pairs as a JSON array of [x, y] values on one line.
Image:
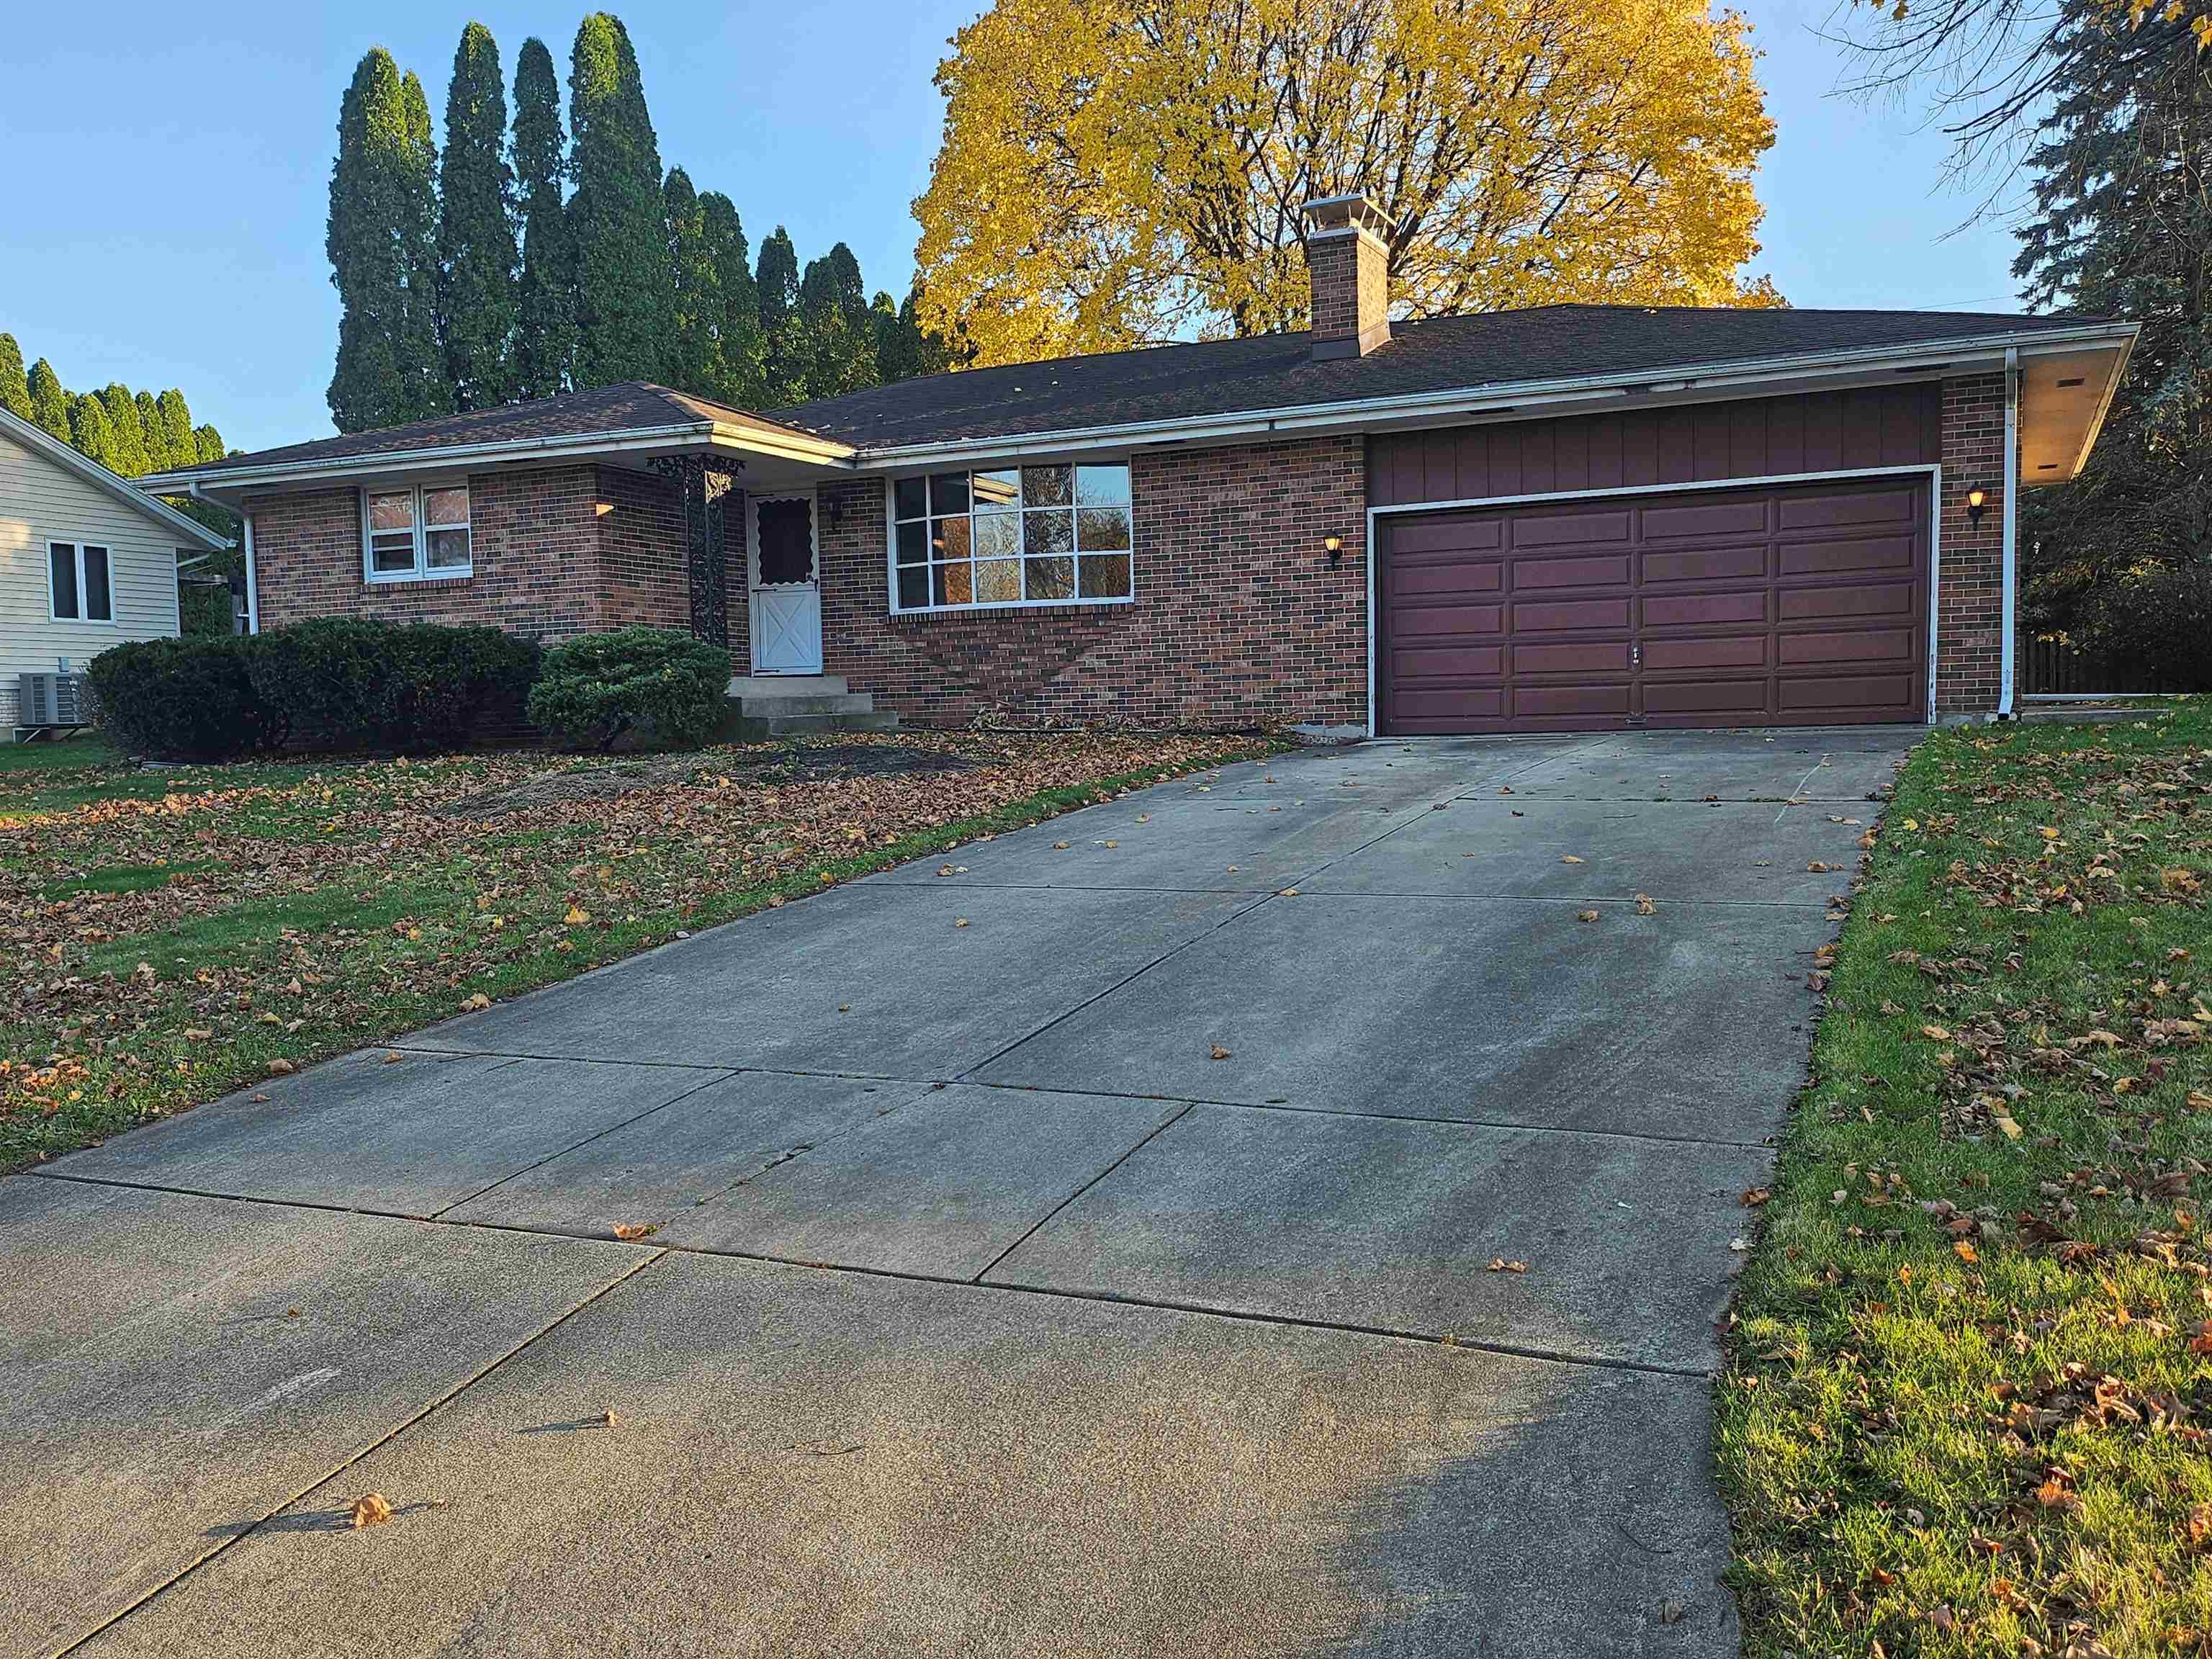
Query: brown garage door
[[1798, 606]]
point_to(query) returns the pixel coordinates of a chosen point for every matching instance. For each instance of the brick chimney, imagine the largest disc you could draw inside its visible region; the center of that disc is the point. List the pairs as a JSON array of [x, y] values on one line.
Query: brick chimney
[[1348, 262]]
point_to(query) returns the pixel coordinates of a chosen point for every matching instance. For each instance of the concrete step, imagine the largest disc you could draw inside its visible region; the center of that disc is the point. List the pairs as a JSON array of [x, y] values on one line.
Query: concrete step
[[786, 686], [753, 704], [755, 728]]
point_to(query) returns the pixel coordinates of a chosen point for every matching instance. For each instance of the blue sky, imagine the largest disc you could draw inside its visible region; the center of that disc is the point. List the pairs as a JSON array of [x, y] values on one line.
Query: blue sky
[[173, 233]]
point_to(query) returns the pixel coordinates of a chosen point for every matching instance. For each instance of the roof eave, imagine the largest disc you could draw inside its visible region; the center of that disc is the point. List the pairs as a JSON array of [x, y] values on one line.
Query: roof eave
[[1515, 397]]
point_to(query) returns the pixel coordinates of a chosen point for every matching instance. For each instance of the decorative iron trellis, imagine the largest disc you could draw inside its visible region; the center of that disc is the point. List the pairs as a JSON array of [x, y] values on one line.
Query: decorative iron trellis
[[705, 484]]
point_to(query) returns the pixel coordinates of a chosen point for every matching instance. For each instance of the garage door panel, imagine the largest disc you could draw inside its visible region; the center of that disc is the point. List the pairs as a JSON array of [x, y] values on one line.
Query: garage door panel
[[1707, 520], [1537, 574], [1543, 526], [1475, 576], [1437, 622], [1724, 651], [1586, 657], [1850, 645], [1447, 662], [1793, 605], [1710, 564], [1885, 554], [1564, 615], [1704, 610]]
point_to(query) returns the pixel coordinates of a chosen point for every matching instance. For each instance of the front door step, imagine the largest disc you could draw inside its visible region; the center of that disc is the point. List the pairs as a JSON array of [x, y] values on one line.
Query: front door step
[[793, 705]]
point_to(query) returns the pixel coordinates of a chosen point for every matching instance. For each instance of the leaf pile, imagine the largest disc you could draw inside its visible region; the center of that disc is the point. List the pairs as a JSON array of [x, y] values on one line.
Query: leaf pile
[[170, 935]]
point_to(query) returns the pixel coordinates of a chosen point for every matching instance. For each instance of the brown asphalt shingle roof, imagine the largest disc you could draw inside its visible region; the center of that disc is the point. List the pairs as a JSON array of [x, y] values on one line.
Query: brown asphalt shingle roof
[[1487, 349]]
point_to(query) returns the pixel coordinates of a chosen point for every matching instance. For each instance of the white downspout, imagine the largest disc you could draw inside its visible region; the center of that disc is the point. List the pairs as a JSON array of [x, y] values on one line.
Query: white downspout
[[2011, 578], [253, 597]]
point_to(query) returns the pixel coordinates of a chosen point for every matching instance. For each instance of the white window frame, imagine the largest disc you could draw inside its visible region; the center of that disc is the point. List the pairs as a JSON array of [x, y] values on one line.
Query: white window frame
[[77, 550], [421, 570], [892, 522]]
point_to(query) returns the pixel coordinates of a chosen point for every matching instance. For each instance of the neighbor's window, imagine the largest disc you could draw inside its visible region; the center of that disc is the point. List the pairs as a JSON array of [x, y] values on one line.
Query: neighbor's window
[[1030, 535], [415, 533], [78, 575]]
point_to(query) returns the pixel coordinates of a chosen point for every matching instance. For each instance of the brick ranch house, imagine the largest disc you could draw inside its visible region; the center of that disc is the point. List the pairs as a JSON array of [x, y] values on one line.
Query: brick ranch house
[[1571, 517]]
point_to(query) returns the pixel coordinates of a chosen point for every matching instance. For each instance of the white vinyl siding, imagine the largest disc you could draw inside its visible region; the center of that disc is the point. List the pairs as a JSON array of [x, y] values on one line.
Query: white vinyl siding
[[42, 502]]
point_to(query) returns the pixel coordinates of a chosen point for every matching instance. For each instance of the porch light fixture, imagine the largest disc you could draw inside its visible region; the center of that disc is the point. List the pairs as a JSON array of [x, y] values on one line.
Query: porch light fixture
[[1335, 545], [1977, 499]]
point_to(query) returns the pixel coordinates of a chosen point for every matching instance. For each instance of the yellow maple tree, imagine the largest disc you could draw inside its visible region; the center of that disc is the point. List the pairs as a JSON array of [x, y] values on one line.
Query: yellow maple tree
[[1117, 172]]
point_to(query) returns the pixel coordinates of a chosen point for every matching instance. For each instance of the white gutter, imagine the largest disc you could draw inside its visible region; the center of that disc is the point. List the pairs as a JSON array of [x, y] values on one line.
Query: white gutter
[[2010, 581]]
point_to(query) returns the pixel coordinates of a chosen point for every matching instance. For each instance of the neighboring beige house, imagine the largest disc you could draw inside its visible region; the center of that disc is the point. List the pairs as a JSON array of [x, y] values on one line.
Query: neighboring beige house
[[88, 559]]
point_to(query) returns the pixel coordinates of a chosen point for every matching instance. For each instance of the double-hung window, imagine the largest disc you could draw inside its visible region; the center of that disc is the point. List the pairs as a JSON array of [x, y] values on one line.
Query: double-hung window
[[415, 534], [1011, 536], [77, 583]]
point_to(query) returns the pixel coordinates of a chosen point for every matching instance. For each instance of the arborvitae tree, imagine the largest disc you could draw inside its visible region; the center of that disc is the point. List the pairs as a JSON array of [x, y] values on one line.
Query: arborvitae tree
[[153, 441], [734, 374], [422, 372], [476, 230], [90, 433], [903, 348], [209, 443], [623, 290], [833, 310], [49, 403], [697, 306], [126, 437], [178, 447], [367, 251], [546, 314], [14, 385], [785, 357]]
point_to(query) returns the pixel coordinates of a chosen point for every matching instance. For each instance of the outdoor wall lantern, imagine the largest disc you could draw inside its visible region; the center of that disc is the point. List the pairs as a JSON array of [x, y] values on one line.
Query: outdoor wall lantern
[[1977, 499], [1335, 545]]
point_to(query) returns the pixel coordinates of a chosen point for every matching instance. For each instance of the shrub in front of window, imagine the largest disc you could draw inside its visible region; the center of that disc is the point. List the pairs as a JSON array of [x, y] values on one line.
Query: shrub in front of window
[[347, 682], [186, 699], [650, 683]]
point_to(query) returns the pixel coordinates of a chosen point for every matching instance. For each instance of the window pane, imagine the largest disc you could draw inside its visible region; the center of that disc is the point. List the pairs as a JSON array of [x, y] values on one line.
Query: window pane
[[1046, 486], [64, 558], [785, 529], [1047, 532], [449, 550], [910, 498], [1103, 529], [395, 511], [449, 505], [1002, 488], [950, 541], [391, 553], [913, 588], [951, 584], [948, 492], [1101, 486], [98, 606], [998, 581], [997, 535], [914, 543], [1051, 579], [1106, 575]]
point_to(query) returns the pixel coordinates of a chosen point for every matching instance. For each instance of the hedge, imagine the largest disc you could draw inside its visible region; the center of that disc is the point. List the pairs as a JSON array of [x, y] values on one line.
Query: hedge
[[2153, 629], [336, 684], [648, 683]]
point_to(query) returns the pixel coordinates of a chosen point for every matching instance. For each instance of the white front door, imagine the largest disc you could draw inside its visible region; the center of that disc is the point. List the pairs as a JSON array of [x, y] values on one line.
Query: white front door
[[785, 572]]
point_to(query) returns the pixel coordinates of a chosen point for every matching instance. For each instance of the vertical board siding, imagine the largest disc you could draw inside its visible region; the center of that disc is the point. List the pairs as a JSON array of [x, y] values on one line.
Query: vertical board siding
[[1694, 443]]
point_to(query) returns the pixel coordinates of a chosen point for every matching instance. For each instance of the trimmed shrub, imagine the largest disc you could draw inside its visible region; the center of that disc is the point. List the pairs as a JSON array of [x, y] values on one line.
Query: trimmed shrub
[[189, 699], [346, 683], [659, 686], [2153, 629]]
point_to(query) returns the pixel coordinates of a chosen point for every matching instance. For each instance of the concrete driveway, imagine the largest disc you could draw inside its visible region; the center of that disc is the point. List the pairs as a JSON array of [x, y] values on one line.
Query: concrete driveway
[[1084, 1251]]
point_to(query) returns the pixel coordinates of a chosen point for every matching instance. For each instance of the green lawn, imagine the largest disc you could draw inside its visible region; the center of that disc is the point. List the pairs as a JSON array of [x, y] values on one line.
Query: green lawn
[[174, 933], [1969, 1384]]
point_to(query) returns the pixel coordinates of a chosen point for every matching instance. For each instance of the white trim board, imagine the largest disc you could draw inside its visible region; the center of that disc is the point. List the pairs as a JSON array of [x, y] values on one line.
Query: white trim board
[[1933, 471]]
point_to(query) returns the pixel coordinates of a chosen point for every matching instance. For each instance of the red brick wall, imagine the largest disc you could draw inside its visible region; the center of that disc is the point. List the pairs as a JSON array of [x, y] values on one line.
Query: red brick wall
[[643, 574], [1237, 617], [1969, 592]]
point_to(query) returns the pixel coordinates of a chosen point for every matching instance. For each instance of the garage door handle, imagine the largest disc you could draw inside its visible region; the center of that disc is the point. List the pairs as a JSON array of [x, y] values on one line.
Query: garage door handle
[[1636, 656]]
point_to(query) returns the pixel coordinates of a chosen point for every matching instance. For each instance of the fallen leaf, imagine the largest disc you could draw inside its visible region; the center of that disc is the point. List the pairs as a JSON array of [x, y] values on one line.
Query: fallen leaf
[[1498, 1264], [479, 1002], [371, 1509], [944, 869], [282, 1068], [612, 1421], [393, 1056], [1757, 1196], [1966, 1251], [1059, 846], [577, 915], [960, 921], [642, 1230], [1569, 858], [1585, 915], [1645, 906], [1218, 1053]]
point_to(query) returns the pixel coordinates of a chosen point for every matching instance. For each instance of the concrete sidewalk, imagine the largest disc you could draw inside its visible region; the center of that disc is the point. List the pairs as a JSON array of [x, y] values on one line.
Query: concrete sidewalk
[[1107, 1275]]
